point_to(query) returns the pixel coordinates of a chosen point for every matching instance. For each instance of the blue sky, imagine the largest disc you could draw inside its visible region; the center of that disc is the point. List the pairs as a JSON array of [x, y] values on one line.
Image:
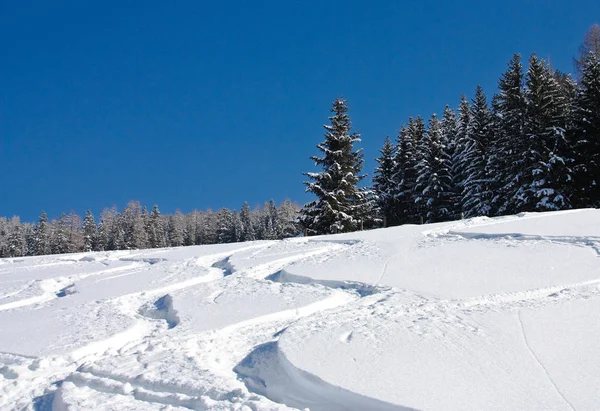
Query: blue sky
[[196, 104]]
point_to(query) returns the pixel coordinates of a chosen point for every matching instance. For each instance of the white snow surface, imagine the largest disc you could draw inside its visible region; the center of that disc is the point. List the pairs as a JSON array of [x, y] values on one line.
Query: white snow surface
[[486, 313]]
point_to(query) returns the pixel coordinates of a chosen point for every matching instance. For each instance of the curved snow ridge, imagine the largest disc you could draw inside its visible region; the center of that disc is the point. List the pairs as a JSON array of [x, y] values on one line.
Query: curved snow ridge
[[312, 391], [362, 289], [50, 290], [592, 242]]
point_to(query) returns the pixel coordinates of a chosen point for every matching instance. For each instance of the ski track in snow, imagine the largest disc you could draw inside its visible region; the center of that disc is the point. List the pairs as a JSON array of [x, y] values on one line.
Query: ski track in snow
[[41, 383], [537, 359]]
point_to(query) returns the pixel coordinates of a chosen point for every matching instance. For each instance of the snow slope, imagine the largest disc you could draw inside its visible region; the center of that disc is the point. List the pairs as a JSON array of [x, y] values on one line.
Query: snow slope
[[478, 314]]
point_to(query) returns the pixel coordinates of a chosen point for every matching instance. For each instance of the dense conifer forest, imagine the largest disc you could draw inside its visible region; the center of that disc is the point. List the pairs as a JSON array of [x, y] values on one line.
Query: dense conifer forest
[[534, 145]]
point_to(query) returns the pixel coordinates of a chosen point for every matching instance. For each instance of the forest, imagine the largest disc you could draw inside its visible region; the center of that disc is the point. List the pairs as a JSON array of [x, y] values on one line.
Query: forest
[[533, 146]]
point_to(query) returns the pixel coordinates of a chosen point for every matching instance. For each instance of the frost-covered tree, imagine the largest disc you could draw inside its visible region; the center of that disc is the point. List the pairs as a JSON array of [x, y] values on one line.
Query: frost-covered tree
[[175, 228], [341, 205], [434, 184], [384, 184], [449, 128], [60, 236], [156, 231], [410, 154], [505, 160], [42, 236], [586, 136], [545, 158], [247, 232], [287, 214], [476, 186], [89, 232]]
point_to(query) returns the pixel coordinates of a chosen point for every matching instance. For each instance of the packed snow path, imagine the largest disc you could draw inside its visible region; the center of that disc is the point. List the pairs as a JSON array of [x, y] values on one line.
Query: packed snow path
[[478, 314]]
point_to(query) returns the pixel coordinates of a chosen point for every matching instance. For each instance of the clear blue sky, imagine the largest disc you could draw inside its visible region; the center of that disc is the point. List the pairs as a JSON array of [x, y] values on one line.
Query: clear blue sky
[[197, 104]]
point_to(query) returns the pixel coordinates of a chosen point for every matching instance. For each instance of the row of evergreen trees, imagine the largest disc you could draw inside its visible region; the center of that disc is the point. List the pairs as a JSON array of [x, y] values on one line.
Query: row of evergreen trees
[[136, 228], [536, 147]]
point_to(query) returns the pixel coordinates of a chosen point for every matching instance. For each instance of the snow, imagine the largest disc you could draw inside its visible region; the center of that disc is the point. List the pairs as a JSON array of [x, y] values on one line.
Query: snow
[[485, 313]]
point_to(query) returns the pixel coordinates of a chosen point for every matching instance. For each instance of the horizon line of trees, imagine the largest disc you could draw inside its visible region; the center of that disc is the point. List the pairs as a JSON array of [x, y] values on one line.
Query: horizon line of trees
[[136, 228], [536, 147]]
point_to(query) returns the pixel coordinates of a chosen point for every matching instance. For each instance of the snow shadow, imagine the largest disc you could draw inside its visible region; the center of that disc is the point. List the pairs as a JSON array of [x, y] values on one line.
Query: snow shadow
[[162, 309], [266, 372], [363, 290], [225, 266]]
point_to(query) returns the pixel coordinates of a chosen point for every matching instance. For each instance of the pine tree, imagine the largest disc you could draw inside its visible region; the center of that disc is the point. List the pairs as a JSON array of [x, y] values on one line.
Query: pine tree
[[341, 206], [460, 160], [247, 232], [60, 236], [42, 236], [384, 184], [509, 117], [476, 187], [287, 217], [450, 144], [156, 232], [225, 227], [586, 139], [545, 158], [175, 230], [412, 151], [89, 232], [16, 239]]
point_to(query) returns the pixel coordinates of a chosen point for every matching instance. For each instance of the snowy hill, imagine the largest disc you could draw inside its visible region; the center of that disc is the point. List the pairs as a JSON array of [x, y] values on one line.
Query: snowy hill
[[479, 314]]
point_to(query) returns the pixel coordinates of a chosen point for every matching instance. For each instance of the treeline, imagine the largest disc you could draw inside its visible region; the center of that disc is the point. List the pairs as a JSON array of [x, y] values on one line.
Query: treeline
[[136, 228], [535, 147]]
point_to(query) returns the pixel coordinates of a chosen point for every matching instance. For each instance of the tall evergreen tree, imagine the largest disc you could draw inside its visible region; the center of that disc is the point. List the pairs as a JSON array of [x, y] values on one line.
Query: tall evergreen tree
[[460, 160], [42, 236], [89, 232], [545, 159], [341, 205], [586, 139], [60, 236], [433, 182], [156, 231], [247, 231], [450, 143], [510, 141], [384, 183], [476, 187]]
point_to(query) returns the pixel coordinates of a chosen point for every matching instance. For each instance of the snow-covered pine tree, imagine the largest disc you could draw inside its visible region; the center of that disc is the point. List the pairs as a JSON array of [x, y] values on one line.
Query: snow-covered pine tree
[[433, 181], [156, 231], [225, 226], [545, 158], [460, 159], [586, 138], [60, 236], [175, 229], [287, 217], [416, 172], [405, 174], [476, 187], [505, 160], [89, 232], [384, 184], [341, 205], [247, 232], [42, 236], [449, 140], [15, 243]]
